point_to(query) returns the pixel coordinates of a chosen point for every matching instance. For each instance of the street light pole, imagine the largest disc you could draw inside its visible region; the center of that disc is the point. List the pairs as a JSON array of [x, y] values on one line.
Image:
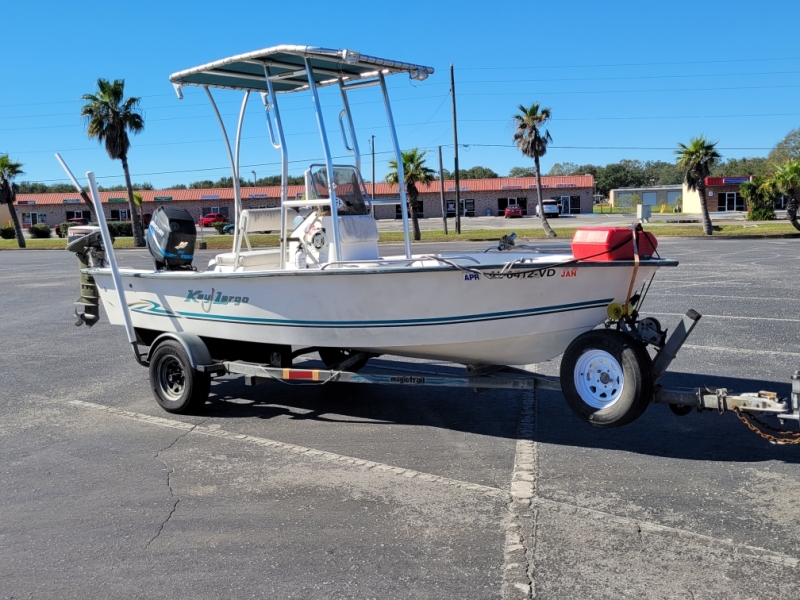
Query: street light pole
[[255, 181]]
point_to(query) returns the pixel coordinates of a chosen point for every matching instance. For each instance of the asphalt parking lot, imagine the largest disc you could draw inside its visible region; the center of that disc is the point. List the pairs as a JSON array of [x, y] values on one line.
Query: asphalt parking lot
[[380, 492]]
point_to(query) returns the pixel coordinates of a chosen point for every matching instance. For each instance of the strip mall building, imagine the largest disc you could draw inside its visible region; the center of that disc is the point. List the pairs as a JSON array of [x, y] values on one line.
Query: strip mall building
[[479, 197], [722, 194]]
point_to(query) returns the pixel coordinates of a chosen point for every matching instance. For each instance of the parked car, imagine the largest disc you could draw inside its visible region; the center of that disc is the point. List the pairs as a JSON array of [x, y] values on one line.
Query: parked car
[[513, 211], [208, 219], [228, 228], [551, 208]]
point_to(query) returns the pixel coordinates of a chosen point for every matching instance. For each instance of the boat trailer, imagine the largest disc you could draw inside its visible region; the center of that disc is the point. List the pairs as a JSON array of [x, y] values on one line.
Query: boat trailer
[[681, 401]]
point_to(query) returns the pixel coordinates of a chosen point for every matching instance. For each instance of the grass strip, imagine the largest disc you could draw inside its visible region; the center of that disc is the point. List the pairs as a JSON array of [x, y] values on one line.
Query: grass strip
[[221, 242]]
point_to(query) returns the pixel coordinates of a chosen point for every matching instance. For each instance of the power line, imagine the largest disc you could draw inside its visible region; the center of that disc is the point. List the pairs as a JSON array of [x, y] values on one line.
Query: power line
[[607, 147], [644, 118], [188, 90], [465, 145], [658, 91], [222, 168], [515, 93], [606, 78], [188, 117], [644, 64], [638, 77]]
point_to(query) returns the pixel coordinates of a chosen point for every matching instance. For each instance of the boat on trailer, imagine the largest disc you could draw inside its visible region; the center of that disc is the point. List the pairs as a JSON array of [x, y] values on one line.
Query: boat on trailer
[[328, 289]]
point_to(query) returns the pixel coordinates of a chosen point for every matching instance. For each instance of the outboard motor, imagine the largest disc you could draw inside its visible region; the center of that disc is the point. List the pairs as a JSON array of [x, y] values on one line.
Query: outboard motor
[[171, 237]]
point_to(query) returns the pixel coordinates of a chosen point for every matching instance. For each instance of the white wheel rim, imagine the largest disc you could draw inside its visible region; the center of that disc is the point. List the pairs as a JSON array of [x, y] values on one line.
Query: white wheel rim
[[599, 379]]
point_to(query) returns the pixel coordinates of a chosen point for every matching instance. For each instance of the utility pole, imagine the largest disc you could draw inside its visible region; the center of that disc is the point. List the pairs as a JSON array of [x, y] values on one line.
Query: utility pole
[[372, 146], [455, 151], [441, 191]]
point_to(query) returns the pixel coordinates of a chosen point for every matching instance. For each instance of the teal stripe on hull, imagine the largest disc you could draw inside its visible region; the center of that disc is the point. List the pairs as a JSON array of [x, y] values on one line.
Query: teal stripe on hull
[[156, 309]]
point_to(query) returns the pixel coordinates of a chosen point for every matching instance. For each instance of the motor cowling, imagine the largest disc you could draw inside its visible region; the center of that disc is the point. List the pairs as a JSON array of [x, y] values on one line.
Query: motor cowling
[[171, 236]]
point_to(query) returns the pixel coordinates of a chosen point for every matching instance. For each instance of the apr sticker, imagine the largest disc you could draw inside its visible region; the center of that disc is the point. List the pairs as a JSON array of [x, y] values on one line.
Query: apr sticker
[[472, 276]]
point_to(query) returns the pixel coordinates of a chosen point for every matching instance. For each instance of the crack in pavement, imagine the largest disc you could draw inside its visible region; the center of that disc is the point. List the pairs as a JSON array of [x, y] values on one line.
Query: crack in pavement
[[170, 471], [521, 493]]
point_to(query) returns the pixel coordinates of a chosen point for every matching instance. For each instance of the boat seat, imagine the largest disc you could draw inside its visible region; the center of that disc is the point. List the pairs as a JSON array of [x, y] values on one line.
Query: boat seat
[[252, 220], [262, 219], [252, 258]]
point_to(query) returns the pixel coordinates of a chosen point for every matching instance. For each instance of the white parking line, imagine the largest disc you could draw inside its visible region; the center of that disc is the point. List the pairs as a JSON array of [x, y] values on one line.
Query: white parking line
[[310, 452], [520, 538], [663, 314], [739, 550], [741, 350], [520, 545]]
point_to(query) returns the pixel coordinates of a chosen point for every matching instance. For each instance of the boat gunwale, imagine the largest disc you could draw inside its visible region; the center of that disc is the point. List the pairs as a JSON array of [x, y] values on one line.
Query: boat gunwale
[[471, 268]]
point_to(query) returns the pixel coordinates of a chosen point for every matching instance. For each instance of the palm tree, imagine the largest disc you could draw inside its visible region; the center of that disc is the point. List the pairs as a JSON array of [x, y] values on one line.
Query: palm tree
[[414, 172], [697, 160], [109, 117], [532, 142], [787, 180], [8, 191]]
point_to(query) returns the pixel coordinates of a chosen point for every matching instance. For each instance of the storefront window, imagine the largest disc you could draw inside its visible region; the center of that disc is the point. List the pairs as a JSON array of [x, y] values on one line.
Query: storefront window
[[33, 218]]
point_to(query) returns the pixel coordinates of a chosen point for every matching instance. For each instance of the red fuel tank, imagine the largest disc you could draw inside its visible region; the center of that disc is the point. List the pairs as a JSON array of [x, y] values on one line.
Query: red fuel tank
[[604, 244]]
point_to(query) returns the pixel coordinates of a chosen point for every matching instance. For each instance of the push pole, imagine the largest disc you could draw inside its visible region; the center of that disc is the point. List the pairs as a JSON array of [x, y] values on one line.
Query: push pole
[[441, 191], [112, 260], [455, 150]]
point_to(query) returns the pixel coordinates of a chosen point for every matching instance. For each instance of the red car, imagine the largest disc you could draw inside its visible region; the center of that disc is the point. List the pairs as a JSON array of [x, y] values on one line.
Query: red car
[[208, 219], [513, 211]]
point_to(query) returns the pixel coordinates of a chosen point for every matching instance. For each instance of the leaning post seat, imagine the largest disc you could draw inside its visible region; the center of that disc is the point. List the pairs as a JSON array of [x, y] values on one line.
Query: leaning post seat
[[250, 221]]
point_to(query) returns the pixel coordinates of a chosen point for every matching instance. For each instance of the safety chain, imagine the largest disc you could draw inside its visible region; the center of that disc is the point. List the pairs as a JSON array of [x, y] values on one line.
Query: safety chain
[[793, 437]]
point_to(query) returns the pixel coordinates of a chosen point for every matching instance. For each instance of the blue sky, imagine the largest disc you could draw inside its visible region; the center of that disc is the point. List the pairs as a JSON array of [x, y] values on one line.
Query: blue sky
[[623, 79]]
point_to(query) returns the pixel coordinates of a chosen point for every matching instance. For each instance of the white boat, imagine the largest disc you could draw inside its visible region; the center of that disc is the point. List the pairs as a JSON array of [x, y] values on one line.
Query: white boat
[[328, 287]]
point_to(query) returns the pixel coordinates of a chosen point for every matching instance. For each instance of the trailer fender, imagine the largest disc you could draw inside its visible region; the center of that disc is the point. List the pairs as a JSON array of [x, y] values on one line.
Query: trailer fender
[[195, 347]]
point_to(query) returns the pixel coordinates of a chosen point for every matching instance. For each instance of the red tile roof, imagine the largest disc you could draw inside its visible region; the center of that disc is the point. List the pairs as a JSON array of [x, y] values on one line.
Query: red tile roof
[[273, 192]]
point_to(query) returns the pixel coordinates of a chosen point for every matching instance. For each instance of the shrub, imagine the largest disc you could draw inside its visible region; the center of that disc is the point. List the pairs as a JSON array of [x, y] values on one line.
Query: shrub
[[120, 229], [761, 213], [40, 230], [218, 227], [7, 233]]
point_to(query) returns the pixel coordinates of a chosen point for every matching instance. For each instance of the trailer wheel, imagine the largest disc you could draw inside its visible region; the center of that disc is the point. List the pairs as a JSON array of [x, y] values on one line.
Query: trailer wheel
[[607, 378], [332, 357], [178, 388]]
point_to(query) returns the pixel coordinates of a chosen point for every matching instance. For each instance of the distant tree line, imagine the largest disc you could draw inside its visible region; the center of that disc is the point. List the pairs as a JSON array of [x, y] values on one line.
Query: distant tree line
[[637, 173], [625, 173]]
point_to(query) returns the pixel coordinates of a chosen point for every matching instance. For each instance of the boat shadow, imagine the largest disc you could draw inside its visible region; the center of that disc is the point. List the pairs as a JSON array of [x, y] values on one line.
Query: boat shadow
[[705, 436]]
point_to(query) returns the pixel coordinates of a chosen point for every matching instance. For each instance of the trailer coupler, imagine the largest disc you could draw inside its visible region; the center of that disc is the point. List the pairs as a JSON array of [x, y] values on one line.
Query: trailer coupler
[[721, 400], [745, 406]]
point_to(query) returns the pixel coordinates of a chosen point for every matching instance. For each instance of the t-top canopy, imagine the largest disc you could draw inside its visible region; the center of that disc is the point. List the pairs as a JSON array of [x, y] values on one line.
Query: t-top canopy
[[287, 69]]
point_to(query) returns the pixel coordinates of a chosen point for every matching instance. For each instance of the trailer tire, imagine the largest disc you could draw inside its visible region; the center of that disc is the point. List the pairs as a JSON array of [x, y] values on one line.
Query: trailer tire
[[333, 356], [607, 378], [177, 387]]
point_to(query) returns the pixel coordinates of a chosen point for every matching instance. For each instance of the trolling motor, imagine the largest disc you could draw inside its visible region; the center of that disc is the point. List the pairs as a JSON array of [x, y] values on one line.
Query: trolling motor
[[90, 252]]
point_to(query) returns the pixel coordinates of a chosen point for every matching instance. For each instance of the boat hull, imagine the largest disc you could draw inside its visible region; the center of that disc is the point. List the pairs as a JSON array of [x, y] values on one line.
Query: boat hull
[[480, 315]]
